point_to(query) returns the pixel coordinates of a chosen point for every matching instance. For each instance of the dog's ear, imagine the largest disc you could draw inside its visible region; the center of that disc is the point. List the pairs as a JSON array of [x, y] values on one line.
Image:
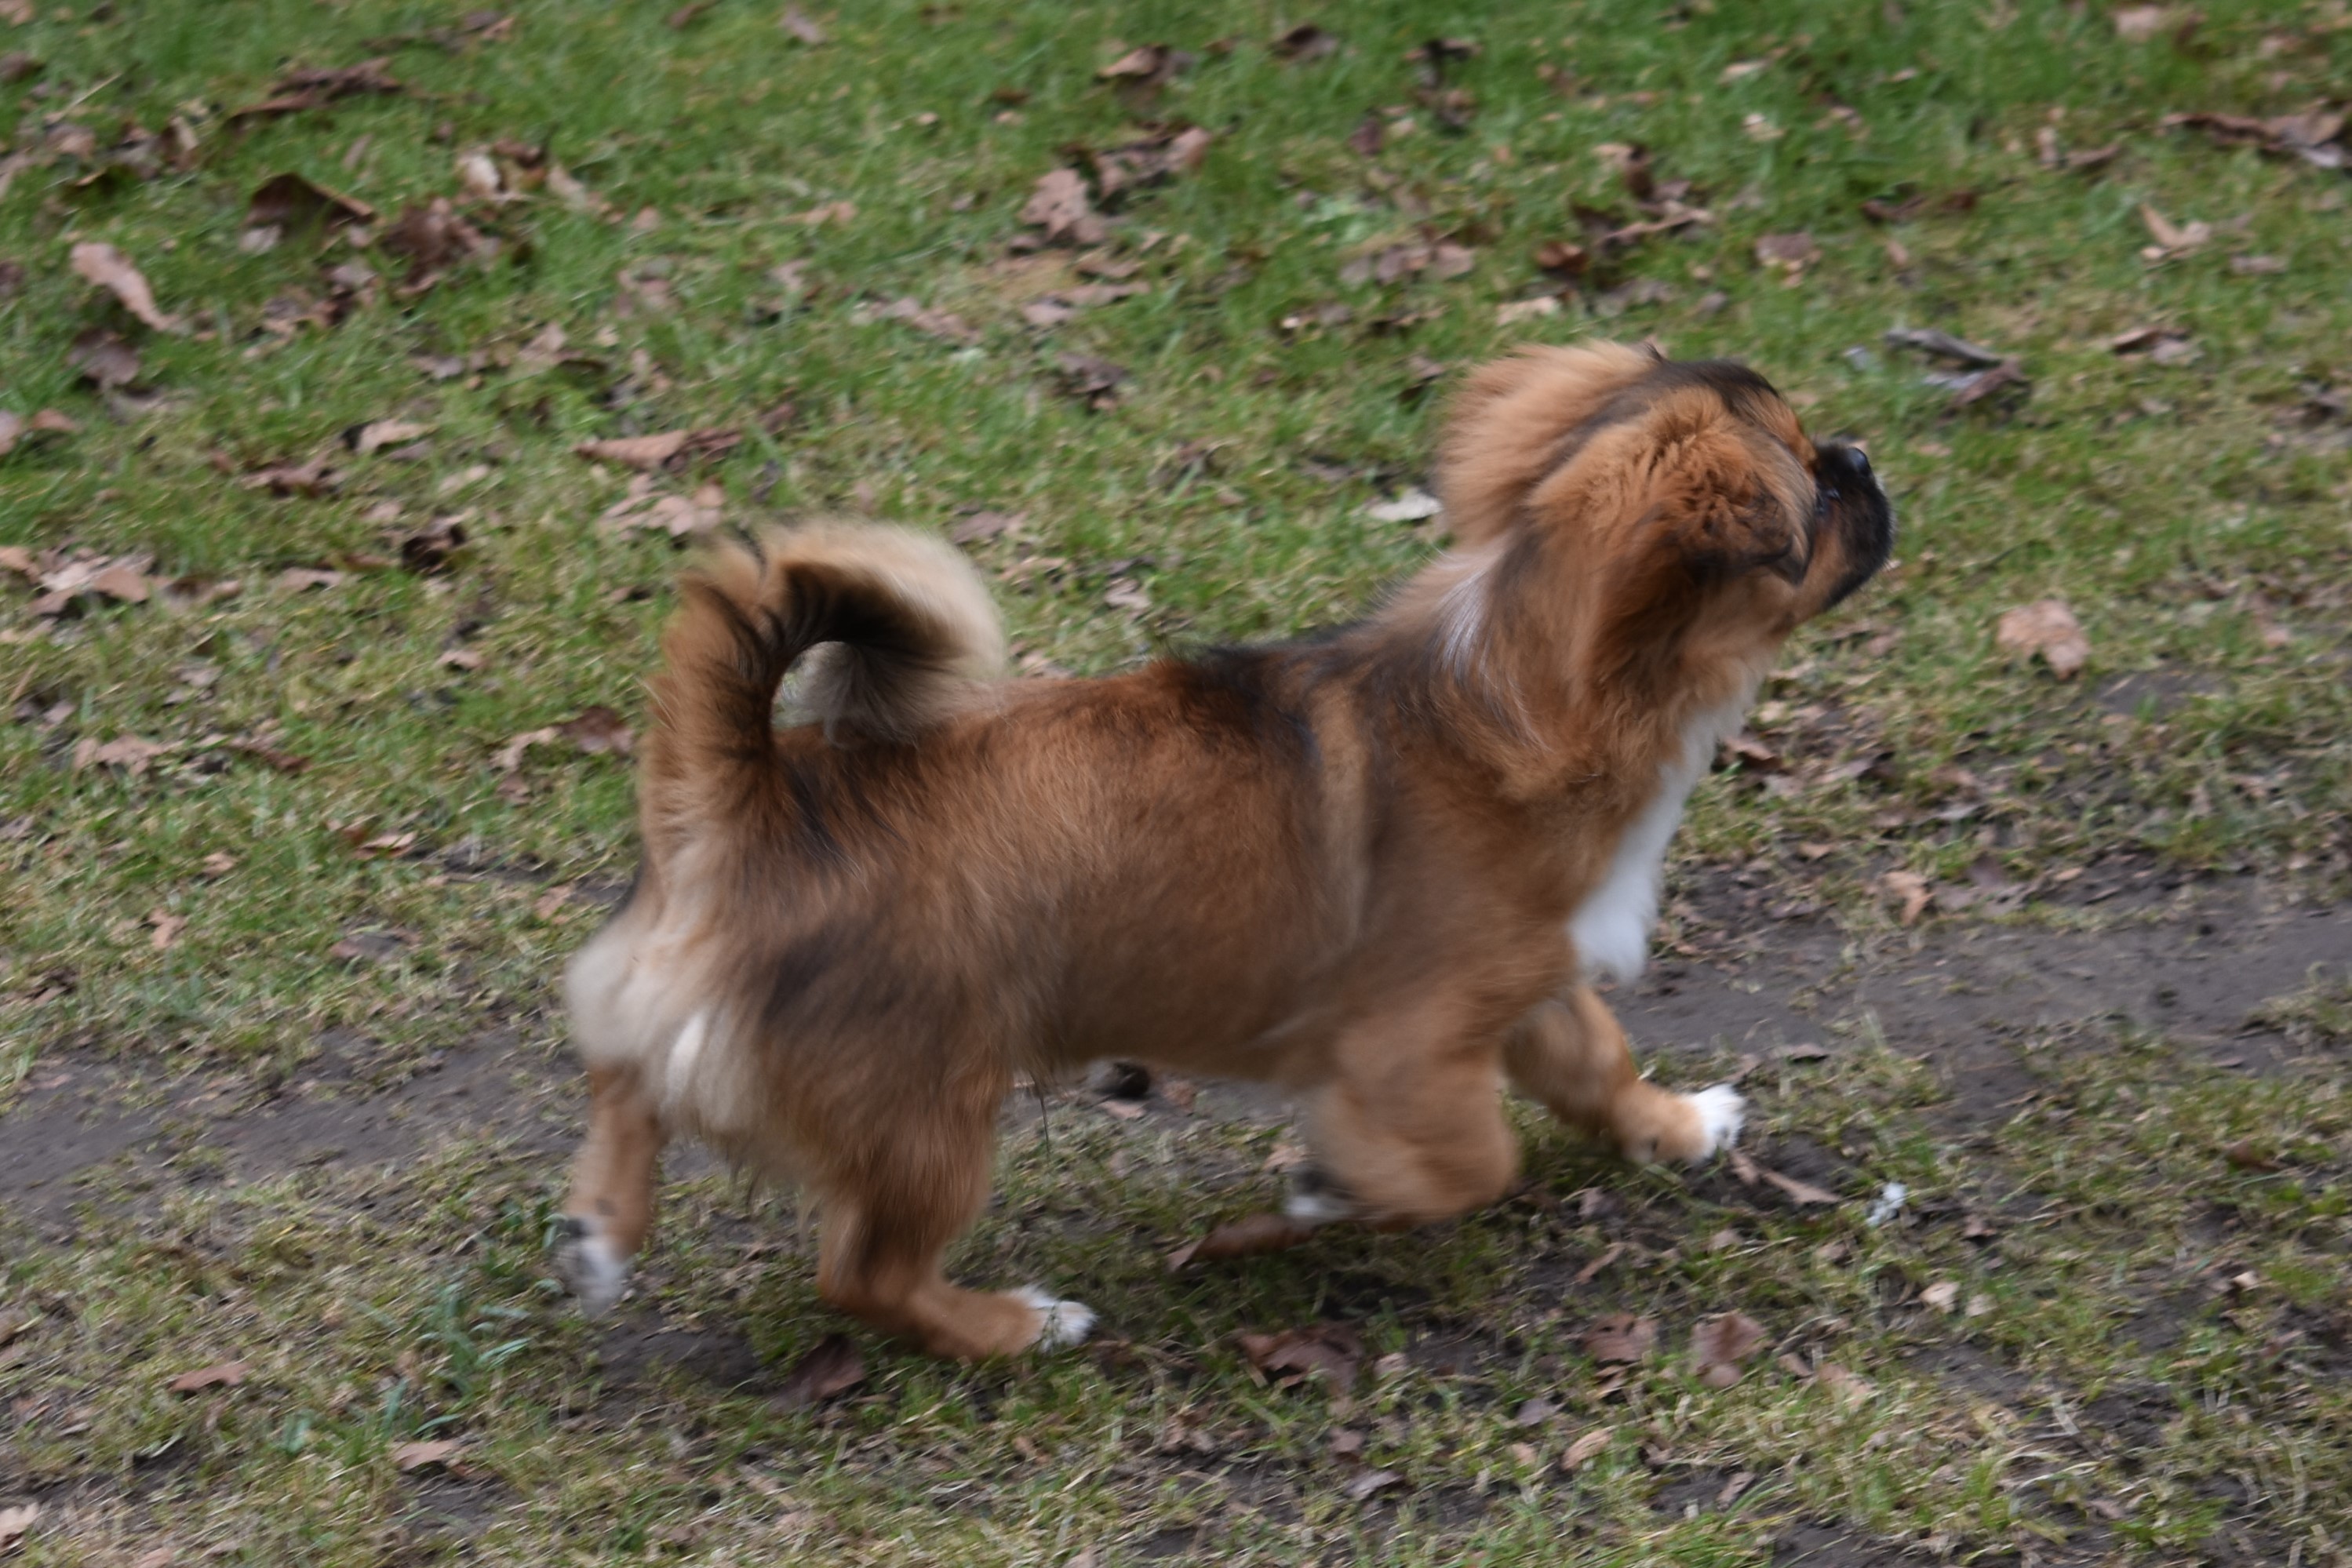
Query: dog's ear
[[1516, 420]]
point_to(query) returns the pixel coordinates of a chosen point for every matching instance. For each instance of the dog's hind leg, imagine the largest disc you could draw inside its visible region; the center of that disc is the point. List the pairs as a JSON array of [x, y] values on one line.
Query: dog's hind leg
[[1570, 1054], [611, 1206], [889, 1216]]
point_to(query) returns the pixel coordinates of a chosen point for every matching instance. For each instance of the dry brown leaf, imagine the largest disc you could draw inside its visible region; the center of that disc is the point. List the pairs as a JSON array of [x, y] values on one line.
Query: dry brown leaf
[[434, 239], [1621, 1338], [302, 579], [670, 449], [2174, 237], [1333, 1349], [2047, 629], [802, 25], [597, 729], [982, 527], [1367, 137], [103, 358], [1849, 1388], [15, 1522], [286, 201], [1058, 205], [1152, 65], [430, 1451], [1095, 381], [1797, 1192], [1600, 1264], [942, 324], [379, 433], [220, 862], [1303, 43], [166, 929], [110, 269], [1787, 252], [833, 1368], [1582, 1451], [1720, 1343], [1243, 1237], [1370, 1481], [1912, 892], [1942, 1296], [228, 1375], [2139, 23], [128, 752], [2139, 337]]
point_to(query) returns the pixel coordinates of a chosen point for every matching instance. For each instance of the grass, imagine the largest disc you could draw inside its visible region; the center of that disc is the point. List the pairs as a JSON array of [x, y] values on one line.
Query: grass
[[2194, 512]]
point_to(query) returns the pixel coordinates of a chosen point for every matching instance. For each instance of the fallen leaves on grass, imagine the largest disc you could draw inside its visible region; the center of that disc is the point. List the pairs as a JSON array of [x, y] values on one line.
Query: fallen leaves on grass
[[1942, 1296], [2045, 629], [378, 434], [15, 1522], [165, 929], [227, 1374], [1789, 253], [304, 89], [1587, 1447], [14, 427], [1944, 346], [416, 1456], [942, 324], [288, 201], [1151, 66], [1095, 382], [598, 729], [1333, 1349], [1148, 161], [1396, 263], [1849, 1388], [110, 269], [2142, 338], [2141, 24], [1243, 1237], [2171, 239], [982, 527], [2316, 136], [1058, 205], [1621, 1339], [1720, 1343], [1880, 211], [1370, 1481], [315, 477], [1299, 45], [803, 26], [670, 449], [1802, 1194], [434, 238], [833, 1368]]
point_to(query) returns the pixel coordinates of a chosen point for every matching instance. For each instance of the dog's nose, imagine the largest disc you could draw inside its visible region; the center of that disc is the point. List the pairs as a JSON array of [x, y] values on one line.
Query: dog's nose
[[1857, 460]]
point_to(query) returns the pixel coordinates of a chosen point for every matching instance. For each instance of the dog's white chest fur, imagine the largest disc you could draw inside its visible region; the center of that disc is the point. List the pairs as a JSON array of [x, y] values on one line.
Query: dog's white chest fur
[[1612, 927]]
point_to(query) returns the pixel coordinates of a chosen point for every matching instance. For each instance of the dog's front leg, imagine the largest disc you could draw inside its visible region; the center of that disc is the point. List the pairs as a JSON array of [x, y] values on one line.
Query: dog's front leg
[[1570, 1054], [611, 1203]]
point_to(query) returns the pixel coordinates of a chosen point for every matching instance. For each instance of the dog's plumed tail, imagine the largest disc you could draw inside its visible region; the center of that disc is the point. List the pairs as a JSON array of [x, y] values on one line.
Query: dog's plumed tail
[[893, 630]]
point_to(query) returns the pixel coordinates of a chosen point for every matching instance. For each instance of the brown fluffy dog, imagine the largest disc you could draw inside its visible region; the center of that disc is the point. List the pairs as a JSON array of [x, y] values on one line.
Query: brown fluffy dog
[[1375, 868]]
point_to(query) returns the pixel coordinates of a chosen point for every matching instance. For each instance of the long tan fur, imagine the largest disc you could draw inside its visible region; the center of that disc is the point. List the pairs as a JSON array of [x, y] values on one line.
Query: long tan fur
[[1379, 868]]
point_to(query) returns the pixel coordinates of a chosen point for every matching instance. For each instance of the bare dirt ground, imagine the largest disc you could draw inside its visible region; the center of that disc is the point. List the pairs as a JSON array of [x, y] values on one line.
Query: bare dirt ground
[[2195, 960]]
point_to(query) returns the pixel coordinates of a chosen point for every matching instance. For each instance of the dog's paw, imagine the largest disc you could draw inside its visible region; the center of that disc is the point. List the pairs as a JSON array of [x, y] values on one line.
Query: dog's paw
[[1720, 1112], [1316, 1199], [1066, 1322], [588, 1263]]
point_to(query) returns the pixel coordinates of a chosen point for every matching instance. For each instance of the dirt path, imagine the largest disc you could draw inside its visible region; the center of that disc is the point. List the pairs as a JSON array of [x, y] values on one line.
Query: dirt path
[[2195, 961]]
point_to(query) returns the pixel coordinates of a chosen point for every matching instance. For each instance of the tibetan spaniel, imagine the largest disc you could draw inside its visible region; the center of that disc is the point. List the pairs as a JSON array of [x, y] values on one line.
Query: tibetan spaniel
[[1379, 868]]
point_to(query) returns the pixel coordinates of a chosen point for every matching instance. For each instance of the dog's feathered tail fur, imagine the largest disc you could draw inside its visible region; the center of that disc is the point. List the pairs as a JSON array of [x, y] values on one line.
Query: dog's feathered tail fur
[[894, 627]]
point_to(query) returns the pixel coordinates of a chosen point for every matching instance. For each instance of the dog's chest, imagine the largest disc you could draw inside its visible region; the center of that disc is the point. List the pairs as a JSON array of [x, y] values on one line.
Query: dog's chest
[[1611, 928]]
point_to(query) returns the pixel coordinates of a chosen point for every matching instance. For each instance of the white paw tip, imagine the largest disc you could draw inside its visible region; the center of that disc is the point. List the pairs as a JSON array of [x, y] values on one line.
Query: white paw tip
[[1066, 1322], [586, 1262], [1312, 1207], [1720, 1110]]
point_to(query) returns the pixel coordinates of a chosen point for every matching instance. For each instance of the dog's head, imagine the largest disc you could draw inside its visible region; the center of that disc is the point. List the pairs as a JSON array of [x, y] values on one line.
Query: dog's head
[[1676, 512]]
